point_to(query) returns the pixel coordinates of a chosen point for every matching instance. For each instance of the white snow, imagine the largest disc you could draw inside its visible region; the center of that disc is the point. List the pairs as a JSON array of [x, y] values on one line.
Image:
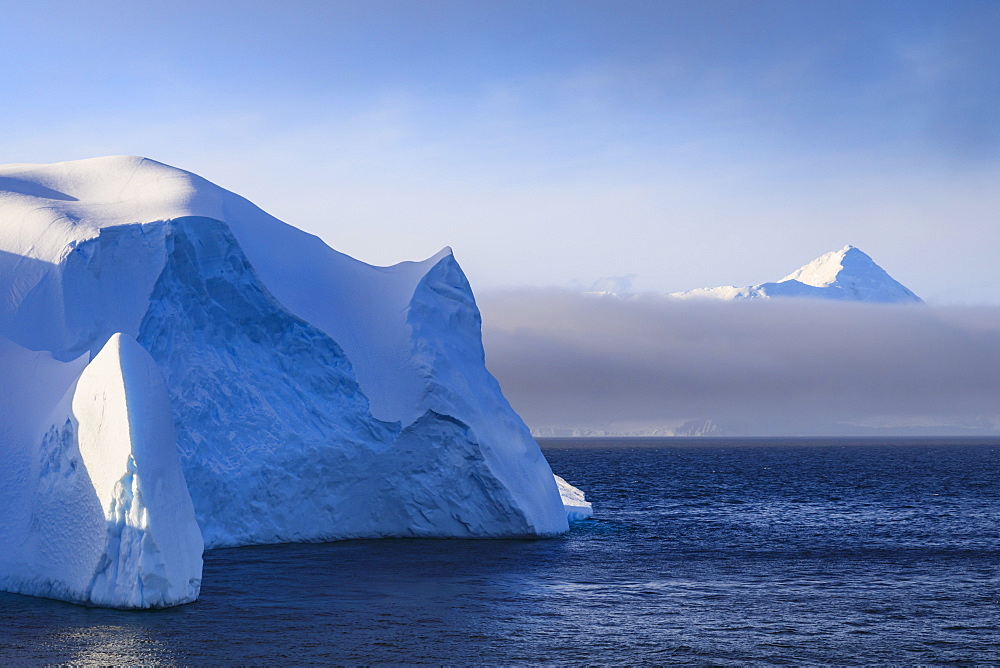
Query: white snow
[[314, 397], [847, 274], [824, 270]]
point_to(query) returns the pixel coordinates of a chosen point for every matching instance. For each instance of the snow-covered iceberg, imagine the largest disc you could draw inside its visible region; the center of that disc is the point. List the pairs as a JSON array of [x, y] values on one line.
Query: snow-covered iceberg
[[312, 396]]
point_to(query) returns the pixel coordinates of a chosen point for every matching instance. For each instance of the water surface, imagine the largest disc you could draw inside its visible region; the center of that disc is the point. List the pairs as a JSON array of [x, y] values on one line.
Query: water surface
[[703, 551]]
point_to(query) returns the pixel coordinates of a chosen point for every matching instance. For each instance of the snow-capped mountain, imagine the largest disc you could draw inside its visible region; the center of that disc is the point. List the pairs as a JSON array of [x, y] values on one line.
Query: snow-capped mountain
[[180, 368], [848, 274]]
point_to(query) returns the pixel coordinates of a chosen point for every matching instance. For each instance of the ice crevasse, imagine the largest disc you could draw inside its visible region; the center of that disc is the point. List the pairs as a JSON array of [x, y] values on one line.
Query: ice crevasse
[[181, 370]]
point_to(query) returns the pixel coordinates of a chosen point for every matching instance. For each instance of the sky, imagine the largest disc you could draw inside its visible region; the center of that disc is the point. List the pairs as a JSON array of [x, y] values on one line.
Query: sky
[[667, 145], [561, 146]]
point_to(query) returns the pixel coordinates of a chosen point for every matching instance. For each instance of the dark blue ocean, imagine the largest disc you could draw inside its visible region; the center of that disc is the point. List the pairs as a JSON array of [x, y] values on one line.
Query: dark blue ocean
[[703, 551]]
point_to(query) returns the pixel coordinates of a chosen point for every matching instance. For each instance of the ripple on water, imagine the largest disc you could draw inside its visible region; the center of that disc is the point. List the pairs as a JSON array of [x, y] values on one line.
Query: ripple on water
[[698, 555]]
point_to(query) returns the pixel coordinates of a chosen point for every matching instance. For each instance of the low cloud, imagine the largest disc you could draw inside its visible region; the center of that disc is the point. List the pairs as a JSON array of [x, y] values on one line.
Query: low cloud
[[763, 368]]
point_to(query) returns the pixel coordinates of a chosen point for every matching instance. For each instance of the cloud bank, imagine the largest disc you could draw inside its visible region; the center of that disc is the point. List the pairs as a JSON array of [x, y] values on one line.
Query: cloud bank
[[576, 361]]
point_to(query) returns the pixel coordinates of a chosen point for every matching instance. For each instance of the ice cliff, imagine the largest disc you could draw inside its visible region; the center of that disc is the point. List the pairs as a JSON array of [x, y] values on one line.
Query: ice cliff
[[180, 367]]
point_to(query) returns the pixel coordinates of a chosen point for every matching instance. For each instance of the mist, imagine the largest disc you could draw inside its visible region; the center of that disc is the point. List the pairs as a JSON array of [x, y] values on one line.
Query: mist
[[796, 367]]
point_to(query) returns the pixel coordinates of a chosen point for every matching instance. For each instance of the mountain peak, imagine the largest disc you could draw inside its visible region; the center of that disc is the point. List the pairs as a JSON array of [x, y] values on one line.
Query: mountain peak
[[826, 269], [848, 274]]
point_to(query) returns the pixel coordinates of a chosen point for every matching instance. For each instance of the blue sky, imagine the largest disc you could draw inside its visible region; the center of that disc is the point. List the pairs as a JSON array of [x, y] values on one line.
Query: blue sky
[[552, 144]]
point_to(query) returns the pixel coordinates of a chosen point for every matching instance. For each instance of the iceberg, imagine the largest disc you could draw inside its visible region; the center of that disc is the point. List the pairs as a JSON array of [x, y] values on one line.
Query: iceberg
[[186, 371], [574, 501]]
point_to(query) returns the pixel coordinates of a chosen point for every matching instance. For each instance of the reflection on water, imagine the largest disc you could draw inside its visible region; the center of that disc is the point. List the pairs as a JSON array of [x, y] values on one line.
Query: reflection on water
[[699, 555], [347, 601], [45, 632], [112, 644]]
